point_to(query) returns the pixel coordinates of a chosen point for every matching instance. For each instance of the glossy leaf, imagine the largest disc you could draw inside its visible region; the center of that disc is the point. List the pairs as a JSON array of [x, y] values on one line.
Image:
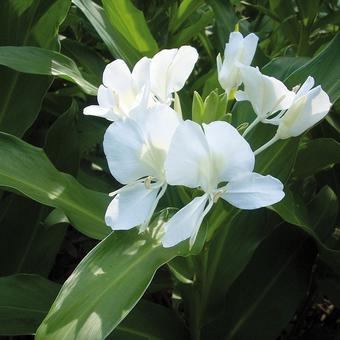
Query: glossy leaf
[[27, 169], [24, 301], [111, 279], [113, 39], [27, 245], [130, 23], [324, 67], [35, 60], [316, 155], [26, 23], [274, 283], [150, 321]]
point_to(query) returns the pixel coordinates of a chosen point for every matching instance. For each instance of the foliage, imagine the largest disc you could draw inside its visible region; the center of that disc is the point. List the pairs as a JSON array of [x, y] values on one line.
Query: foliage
[[256, 269]]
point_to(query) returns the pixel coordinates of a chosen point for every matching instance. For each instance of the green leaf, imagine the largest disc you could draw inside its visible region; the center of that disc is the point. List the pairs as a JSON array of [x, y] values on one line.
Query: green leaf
[[62, 141], [274, 283], [24, 301], [27, 245], [150, 321], [185, 9], [282, 67], [35, 60], [27, 169], [186, 34], [111, 279], [316, 155], [324, 67], [113, 39], [33, 23], [130, 23]]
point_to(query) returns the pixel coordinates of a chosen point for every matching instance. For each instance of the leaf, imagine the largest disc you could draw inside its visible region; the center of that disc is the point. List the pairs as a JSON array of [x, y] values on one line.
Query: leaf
[[62, 141], [324, 67], [113, 39], [27, 169], [111, 279], [282, 67], [130, 23], [35, 60], [274, 283], [316, 155], [150, 321], [185, 9], [26, 244], [24, 301], [33, 23], [89, 62]]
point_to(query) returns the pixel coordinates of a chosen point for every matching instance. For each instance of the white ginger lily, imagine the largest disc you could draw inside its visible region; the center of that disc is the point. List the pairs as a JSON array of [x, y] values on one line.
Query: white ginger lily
[[238, 51], [121, 91], [209, 158], [310, 105], [136, 150], [156, 79], [267, 95]]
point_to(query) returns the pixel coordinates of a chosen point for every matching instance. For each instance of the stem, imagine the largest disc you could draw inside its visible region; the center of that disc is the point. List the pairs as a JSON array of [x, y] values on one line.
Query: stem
[[251, 126], [266, 145]]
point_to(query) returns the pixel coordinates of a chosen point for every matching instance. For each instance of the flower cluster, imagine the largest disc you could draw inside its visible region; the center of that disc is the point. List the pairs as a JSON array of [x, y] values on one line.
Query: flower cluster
[[149, 146]]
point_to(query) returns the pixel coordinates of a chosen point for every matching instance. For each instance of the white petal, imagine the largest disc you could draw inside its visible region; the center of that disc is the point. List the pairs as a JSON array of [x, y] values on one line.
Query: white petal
[[141, 73], [241, 96], [187, 161], [266, 94], [231, 153], [181, 68], [117, 76], [106, 97], [159, 66], [305, 87], [186, 222], [304, 113], [169, 70], [249, 48], [103, 112], [160, 124], [124, 147], [131, 208], [253, 191]]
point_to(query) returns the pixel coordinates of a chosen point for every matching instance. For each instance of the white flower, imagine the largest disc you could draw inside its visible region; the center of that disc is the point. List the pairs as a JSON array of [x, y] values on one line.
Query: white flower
[[136, 150], [169, 70], [267, 95], [152, 81], [239, 51], [218, 160], [309, 107], [121, 91]]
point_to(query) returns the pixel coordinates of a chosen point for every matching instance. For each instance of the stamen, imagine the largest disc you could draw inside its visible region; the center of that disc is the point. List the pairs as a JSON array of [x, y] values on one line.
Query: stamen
[[147, 182]]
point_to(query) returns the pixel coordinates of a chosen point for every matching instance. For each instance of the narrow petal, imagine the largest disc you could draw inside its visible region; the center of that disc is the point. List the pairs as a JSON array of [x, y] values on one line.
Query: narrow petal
[[185, 222], [305, 87], [124, 147], [187, 161], [103, 112], [132, 207], [253, 191], [117, 76], [106, 97], [231, 153]]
